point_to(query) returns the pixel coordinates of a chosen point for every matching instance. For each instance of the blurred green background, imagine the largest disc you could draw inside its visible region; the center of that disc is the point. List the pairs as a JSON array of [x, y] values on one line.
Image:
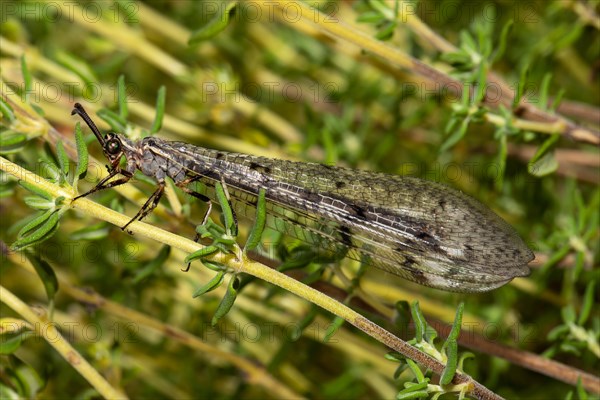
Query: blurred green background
[[366, 84]]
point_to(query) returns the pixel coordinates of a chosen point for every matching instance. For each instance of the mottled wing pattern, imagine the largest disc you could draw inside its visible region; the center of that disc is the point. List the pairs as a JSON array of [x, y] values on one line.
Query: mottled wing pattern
[[420, 230]]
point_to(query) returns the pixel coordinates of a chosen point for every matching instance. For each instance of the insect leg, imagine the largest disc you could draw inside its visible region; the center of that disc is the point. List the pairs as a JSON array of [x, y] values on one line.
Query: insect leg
[[149, 205], [204, 199], [103, 185], [182, 185], [204, 219]]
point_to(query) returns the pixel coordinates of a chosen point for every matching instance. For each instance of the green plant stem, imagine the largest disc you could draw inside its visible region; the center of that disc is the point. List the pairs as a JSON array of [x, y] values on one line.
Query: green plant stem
[[46, 329], [535, 362], [131, 41], [253, 373], [246, 265], [441, 44], [549, 128], [343, 31], [127, 39]]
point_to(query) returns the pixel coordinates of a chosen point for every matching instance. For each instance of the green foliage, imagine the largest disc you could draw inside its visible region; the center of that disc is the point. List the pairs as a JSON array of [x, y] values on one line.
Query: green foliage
[[381, 14], [227, 300], [218, 23], [228, 214], [160, 110], [425, 336], [153, 265], [210, 285], [544, 161], [11, 142], [23, 380], [572, 336], [259, 223], [7, 111], [279, 86]]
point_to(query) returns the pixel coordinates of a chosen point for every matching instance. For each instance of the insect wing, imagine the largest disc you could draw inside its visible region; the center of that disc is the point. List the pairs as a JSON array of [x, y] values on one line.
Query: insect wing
[[420, 230]]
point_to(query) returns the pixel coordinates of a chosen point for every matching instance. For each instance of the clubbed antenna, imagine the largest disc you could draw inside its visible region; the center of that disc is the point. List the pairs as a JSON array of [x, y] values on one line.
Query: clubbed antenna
[[79, 110]]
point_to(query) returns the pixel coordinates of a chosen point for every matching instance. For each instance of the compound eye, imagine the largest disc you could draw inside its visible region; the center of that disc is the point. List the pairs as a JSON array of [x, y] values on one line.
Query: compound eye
[[113, 147]]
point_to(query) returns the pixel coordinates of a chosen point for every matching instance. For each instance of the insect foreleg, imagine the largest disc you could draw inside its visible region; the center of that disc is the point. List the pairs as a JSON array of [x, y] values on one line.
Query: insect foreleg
[[103, 185], [149, 205]]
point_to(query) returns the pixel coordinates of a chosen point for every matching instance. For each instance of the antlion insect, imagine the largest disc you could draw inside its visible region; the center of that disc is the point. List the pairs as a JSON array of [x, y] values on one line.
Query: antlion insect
[[420, 230]]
